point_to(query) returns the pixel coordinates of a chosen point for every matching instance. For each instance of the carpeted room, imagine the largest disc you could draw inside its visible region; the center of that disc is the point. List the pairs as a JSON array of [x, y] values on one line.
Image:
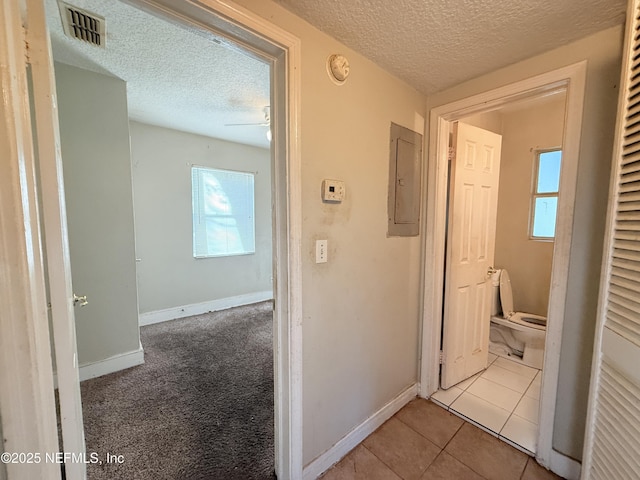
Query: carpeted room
[[201, 406], [178, 396]]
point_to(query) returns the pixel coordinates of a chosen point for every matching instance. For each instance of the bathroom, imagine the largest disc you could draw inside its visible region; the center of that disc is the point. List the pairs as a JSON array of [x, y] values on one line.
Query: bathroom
[[504, 398]]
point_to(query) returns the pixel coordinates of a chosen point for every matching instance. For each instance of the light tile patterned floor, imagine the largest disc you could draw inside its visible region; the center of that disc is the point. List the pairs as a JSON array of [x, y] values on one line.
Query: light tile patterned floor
[[503, 399], [425, 442]]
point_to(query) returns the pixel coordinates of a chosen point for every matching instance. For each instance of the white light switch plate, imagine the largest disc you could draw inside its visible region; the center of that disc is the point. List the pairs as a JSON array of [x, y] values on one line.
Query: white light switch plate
[[321, 251]]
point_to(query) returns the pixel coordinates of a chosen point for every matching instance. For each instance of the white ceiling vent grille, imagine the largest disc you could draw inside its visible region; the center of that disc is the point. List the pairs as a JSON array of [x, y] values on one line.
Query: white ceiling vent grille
[[82, 25]]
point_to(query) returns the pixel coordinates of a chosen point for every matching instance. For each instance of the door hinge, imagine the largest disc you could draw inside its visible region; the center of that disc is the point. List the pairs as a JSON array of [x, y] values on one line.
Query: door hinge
[[441, 357]]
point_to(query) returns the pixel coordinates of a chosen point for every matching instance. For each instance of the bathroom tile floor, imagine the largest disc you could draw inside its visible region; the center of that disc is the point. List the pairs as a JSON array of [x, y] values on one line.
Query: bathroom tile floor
[[426, 442], [503, 400]]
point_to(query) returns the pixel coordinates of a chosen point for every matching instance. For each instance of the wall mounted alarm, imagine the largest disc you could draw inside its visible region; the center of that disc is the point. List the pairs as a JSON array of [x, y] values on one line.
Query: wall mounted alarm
[[338, 68]]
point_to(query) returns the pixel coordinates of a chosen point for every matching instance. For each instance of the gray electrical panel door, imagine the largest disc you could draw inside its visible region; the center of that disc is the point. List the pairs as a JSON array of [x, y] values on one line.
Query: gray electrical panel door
[[405, 161]]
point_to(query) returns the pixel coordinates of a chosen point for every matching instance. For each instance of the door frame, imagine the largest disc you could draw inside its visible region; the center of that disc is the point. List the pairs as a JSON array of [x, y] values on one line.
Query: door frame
[[571, 79], [283, 51], [26, 405]]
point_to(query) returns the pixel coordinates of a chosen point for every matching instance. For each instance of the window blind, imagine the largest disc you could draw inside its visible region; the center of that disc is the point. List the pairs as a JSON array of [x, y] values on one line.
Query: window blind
[[223, 212]]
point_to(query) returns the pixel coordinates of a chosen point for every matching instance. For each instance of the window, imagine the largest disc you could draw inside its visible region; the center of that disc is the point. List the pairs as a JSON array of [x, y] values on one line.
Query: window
[[544, 203], [223, 212]]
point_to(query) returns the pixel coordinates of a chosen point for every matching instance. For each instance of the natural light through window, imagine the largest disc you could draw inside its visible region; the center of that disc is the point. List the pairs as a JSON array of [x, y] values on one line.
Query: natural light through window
[[223, 212], [544, 205]]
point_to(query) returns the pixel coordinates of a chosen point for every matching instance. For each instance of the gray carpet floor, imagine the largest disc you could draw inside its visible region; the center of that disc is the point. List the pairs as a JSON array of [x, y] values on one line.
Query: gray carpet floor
[[201, 407]]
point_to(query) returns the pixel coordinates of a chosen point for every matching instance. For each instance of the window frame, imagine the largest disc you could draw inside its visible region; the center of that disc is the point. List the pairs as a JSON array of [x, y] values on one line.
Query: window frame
[[535, 195], [194, 254]]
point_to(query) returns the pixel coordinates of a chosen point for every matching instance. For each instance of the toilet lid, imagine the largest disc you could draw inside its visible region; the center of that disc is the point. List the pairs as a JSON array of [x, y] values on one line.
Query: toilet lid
[[506, 294]]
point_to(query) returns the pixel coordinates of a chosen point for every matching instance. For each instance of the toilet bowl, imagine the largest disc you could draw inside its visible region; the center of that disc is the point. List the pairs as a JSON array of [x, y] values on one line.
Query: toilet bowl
[[517, 335]]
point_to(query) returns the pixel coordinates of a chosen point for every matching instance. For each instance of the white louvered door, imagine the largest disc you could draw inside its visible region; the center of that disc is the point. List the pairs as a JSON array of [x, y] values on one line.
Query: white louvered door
[[612, 447]]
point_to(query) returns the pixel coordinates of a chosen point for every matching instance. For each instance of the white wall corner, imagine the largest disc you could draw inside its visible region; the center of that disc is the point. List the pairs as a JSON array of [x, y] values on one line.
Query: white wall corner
[[112, 364], [183, 311], [564, 466], [347, 443]]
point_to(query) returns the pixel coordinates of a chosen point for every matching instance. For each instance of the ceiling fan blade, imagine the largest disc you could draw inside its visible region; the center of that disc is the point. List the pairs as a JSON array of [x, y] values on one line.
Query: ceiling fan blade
[[266, 123]]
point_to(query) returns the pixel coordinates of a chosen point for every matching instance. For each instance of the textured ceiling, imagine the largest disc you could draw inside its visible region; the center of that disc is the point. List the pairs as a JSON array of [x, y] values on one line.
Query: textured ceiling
[[176, 78], [436, 44], [183, 79]]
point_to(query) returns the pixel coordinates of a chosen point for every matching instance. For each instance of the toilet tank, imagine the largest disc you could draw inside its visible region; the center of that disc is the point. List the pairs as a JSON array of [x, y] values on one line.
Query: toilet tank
[[496, 307]]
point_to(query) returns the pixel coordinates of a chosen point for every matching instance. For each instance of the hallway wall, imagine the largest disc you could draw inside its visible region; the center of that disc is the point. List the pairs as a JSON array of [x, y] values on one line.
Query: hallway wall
[[361, 309]]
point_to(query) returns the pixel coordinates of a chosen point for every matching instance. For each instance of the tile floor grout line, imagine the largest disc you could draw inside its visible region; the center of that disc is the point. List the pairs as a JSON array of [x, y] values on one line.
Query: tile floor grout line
[[517, 446], [471, 421], [487, 430], [442, 449], [419, 433], [496, 383], [428, 440], [519, 402], [511, 413], [490, 403], [382, 461], [460, 460], [472, 425], [525, 468], [513, 373], [429, 466], [505, 423], [455, 433]]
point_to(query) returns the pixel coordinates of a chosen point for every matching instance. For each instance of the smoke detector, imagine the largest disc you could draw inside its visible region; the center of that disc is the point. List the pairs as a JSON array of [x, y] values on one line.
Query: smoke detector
[[82, 24]]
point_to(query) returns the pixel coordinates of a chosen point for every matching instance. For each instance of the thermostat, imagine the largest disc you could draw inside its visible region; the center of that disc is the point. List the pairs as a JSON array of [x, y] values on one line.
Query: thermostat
[[332, 190]]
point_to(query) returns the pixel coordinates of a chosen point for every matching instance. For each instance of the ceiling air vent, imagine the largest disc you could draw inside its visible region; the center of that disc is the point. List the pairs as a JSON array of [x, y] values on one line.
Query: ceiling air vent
[[82, 25]]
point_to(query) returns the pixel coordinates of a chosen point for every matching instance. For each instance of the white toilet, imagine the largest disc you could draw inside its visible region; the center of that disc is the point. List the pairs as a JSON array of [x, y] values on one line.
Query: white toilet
[[516, 335]]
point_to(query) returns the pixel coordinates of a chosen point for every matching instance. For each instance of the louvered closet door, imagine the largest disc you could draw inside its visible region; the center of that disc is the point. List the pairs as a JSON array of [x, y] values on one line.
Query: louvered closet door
[[612, 449]]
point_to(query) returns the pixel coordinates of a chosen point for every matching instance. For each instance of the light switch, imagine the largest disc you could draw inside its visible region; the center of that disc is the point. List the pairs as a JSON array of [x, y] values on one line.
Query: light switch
[[321, 251], [332, 190]]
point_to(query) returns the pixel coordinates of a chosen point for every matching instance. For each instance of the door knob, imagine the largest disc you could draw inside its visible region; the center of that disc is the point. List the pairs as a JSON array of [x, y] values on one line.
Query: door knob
[[82, 300], [491, 271]]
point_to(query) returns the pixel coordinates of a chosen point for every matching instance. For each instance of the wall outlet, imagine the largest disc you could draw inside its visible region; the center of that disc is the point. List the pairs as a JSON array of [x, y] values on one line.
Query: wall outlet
[[321, 251]]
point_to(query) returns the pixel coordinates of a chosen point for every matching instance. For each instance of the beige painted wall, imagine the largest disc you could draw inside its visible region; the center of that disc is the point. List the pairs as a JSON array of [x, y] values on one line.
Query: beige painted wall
[[168, 275], [491, 121], [603, 52], [361, 309], [94, 133], [532, 126]]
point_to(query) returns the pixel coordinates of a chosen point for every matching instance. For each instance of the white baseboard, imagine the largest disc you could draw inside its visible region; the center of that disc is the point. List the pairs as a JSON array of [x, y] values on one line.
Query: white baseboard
[[182, 311], [564, 466], [112, 364], [332, 456]]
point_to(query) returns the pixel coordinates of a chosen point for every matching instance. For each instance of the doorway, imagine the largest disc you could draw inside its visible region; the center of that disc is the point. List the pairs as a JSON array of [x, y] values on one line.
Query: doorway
[[503, 397], [440, 122], [282, 52]]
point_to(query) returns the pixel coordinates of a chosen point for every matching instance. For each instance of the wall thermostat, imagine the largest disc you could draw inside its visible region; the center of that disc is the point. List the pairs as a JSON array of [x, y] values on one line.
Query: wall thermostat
[[332, 190]]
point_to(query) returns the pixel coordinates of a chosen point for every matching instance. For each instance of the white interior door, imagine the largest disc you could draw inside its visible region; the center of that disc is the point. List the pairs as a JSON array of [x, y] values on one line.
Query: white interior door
[[473, 203], [44, 108], [612, 446]]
